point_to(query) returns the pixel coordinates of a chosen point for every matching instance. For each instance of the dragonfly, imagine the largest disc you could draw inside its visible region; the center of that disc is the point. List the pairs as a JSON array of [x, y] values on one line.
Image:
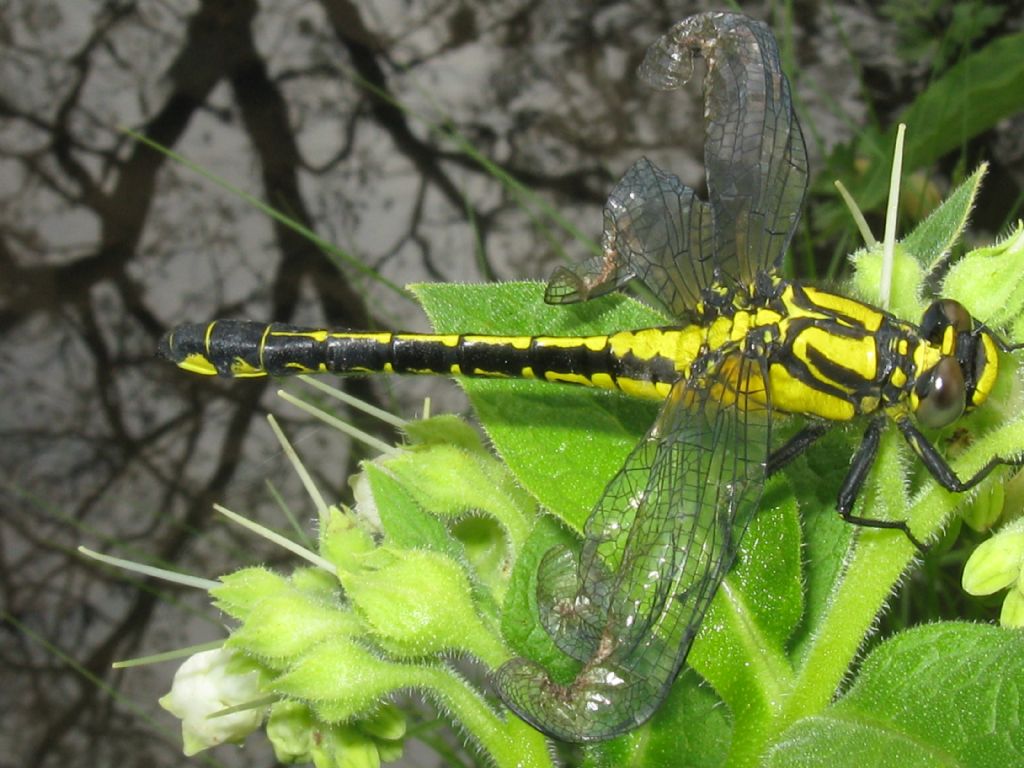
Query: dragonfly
[[747, 346]]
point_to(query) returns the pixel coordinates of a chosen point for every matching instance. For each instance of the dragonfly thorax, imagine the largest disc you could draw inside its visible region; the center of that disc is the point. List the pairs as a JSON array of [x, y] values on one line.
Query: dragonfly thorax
[[836, 358]]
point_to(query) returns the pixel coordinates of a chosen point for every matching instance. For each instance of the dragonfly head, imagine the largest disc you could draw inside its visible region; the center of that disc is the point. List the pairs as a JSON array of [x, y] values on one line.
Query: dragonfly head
[[965, 371]]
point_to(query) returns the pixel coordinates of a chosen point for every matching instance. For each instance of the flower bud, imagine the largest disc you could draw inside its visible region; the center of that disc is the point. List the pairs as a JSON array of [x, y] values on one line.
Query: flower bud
[[344, 538], [982, 511], [340, 680], [205, 684], [289, 621], [1012, 615], [417, 602], [995, 564]]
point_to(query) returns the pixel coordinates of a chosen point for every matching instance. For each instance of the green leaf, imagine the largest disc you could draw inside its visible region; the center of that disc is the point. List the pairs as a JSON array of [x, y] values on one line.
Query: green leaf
[[969, 98], [932, 239], [405, 523], [563, 444], [767, 578], [966, 100], [741, 648], [940, 695]]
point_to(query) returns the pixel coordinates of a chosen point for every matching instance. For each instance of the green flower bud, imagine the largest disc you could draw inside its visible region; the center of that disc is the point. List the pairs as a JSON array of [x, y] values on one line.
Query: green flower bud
[[981, 512], [995, 564], [907, 275], [242, 590], [344, 538], [316, 583], [451, 482], [289, 621], [418, 602], [298, 737], [346, 747], [206, 684], [987, 280], [386, 724], [389, 751], [292, 732], [341, 680], [1012, 615], [445, 429]]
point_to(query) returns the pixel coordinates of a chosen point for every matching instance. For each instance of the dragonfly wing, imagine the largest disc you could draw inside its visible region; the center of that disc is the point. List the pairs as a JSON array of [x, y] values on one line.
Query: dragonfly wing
[[573, 623], [754, 153], [656, 229], [656, 547]]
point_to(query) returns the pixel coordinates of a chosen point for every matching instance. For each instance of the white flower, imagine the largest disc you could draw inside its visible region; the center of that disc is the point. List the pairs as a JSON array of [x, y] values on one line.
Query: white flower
[[204, 685]]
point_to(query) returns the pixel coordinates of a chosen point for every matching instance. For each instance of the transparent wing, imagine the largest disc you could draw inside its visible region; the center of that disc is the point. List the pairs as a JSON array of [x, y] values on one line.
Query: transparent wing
[[754, 153], [656, 230], [656, 547]]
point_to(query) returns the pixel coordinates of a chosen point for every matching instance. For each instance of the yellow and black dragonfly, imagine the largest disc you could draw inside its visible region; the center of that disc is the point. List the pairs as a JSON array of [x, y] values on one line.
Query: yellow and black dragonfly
[[748, 345]]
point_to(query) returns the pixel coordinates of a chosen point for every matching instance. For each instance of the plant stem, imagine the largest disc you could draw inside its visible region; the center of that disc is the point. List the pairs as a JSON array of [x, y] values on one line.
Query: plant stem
[[876, 561], [508, 743]]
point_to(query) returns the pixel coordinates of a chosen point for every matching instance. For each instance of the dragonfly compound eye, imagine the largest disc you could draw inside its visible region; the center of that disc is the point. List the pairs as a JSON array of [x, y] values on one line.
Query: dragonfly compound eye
[[943, 314], [941, 394]]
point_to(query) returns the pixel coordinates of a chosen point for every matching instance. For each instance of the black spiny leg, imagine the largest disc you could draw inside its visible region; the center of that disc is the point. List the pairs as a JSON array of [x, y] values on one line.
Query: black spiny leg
[[940, 468], [859, 468], [795, 446]]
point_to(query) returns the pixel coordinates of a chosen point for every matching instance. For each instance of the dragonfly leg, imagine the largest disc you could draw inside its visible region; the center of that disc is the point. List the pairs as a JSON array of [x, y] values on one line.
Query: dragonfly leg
[[939, 467], [854, 482], [795, 446]]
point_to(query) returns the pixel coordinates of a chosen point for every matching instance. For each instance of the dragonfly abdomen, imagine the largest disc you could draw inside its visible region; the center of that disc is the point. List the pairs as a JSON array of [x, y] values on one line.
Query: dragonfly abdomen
[[641, 363]]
